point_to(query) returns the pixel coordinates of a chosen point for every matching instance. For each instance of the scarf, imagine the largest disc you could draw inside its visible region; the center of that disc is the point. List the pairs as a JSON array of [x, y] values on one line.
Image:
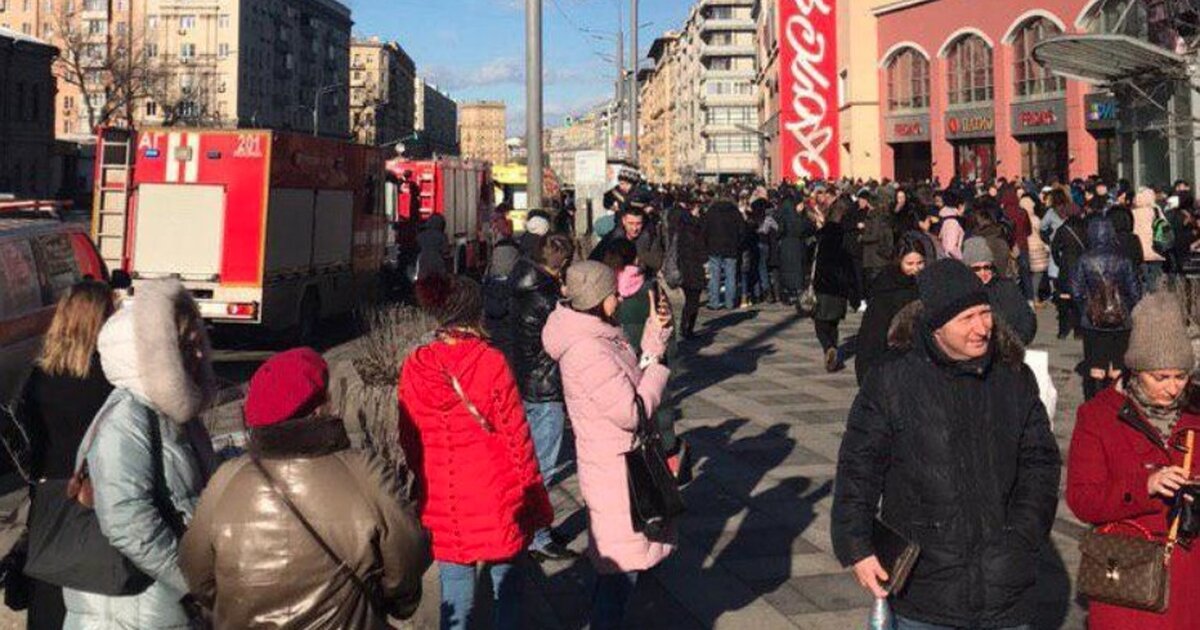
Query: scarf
[[1163, 417]]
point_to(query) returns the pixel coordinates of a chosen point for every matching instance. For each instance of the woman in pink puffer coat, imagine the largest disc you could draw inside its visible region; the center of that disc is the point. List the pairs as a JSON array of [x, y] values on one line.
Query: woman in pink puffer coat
[[601, 375]]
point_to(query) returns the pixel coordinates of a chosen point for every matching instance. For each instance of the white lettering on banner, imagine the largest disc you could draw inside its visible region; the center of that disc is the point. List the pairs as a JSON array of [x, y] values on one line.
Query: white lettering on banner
[[810, 91]]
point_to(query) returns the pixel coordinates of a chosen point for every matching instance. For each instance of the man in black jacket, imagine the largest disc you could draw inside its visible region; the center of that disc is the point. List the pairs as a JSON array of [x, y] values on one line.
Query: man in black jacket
[[536, 288], [953, 439], [724, 230]]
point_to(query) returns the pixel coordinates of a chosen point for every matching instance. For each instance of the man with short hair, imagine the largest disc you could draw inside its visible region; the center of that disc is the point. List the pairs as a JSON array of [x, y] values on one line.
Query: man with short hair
[[951, 438], [724, 230]]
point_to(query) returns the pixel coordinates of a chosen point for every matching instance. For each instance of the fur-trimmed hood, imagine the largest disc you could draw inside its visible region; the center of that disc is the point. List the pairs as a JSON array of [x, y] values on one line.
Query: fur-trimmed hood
[[139, 351]]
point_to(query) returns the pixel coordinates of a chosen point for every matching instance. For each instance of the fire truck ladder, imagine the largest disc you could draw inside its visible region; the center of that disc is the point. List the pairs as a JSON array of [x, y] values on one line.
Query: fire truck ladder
[[114, 177]]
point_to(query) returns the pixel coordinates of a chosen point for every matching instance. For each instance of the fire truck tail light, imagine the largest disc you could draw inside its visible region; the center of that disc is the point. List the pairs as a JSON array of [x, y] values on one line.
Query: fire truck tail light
[[242, 310]]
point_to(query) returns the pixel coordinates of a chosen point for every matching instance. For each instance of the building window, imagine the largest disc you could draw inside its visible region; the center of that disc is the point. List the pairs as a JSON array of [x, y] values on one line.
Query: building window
[[26, 28], [94, 5], [187, 51], [187, 21], [843, 87], [151, 109], [969, 71], [720, 63], [122, 29], [223, 50], [908, 80], [151, 51], [152, 22], [732, 144], [1030, 77], [732, 116], [95, 27], [223, 20]]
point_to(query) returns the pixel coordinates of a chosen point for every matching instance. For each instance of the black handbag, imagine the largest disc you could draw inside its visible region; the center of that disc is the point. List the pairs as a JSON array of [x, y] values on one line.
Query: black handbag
[[654, 497], [66, 546]]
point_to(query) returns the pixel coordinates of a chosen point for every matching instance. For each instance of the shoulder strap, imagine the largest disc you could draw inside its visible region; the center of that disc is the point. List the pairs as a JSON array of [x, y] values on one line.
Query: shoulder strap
[[471, 408], [1187, 465], [371, 595]]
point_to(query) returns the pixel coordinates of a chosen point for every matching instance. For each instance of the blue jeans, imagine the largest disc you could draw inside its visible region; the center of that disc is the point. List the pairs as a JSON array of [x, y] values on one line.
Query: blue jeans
[[718, 267], [546, 428], [909, 624], [764, 274], [458, 595], [610, 599]]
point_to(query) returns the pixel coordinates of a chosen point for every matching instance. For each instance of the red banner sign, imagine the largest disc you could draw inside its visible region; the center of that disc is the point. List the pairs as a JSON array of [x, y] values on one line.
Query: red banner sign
[[808, 112], [907, 130]]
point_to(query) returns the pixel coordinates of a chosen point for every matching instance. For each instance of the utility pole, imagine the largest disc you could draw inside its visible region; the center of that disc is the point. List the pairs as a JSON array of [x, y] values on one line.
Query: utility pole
[[618, 123], [533, 100], [636, 88]]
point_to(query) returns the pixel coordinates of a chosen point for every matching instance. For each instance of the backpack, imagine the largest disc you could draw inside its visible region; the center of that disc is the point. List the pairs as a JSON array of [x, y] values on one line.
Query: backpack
[[1163, 234], [1105, 307]]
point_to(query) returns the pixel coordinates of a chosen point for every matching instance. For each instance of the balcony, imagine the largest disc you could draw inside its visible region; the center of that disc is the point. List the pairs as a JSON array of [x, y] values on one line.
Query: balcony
[[727, 24], [727, 50]]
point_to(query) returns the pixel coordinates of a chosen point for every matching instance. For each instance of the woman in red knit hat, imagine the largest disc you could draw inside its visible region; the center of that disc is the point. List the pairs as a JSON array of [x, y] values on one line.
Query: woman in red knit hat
[[463, 429]]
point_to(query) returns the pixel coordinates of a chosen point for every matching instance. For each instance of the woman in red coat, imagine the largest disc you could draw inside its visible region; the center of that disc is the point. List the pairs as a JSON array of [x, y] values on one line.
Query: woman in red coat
[[1127, 456], [464, 432]]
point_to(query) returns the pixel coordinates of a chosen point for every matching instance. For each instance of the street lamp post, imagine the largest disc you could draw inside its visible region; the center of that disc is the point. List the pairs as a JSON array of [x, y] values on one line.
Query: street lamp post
[[533, 100], [316, 110]]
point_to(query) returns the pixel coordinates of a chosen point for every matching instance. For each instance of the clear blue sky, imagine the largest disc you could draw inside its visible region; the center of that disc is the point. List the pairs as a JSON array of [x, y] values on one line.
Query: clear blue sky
[[475, 49]]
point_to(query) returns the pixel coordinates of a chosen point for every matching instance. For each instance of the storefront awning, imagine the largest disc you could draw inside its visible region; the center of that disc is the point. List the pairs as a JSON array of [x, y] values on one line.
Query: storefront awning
[[1106, 58]]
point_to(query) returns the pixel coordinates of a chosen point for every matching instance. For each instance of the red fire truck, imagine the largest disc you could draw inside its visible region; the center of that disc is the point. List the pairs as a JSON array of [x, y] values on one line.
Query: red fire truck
[[459, 190], [264, 228]]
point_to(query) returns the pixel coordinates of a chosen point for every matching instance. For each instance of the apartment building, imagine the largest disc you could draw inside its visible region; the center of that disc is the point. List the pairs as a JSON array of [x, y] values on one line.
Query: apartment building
[[588, 132], [26, 120], [382, 91], [715, 125], [657, 111], [282, 64], [91, 34], [482, 126], [435, 122]]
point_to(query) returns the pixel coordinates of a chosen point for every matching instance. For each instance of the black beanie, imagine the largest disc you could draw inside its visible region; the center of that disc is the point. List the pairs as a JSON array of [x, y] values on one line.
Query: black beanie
[[948, 288]]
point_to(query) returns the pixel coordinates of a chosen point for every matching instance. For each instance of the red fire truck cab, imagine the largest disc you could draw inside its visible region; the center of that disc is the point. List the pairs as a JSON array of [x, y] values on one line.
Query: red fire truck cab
[[458, 189], [264, 228]]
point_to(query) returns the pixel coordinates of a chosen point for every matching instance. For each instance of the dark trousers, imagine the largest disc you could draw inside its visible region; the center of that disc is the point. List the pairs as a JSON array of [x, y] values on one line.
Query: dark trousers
[[691, 309], [827, 333], [1068, 312]]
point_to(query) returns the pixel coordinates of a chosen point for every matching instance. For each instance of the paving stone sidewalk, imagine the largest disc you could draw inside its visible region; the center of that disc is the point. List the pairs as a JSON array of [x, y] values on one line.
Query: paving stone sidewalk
[[765, 420]]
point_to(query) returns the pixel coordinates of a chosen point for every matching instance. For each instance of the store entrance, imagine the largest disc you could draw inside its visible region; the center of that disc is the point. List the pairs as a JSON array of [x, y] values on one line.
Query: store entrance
[[975, 161], [1044, 158], [913, 162]]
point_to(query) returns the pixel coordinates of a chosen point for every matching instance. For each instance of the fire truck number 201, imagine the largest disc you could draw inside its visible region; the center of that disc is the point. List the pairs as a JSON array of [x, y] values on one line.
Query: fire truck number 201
[[249, 146]]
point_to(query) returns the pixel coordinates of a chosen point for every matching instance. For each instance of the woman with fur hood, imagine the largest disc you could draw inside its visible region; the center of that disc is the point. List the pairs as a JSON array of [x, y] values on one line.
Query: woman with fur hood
[[156, 355]]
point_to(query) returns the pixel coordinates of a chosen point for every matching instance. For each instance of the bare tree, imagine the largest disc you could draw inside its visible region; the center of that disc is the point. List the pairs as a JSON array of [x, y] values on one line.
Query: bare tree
[[186, 93], [108, 61]]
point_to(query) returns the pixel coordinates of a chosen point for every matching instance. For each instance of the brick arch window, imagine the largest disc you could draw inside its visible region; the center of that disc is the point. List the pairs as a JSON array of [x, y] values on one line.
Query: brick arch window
[[969, 71], [908, 80], [1029, 77]]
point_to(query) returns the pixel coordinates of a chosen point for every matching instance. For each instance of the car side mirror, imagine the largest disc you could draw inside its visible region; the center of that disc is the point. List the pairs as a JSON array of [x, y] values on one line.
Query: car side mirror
[[120, 280]]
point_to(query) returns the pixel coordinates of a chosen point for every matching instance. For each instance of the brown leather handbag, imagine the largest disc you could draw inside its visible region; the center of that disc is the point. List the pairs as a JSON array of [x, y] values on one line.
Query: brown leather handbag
[[1132, 571]]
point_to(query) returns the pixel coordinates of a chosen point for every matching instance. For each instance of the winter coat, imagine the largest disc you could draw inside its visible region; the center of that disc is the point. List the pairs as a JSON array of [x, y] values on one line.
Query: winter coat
[[997, 244], [1069, 244], [1113, 451], [601, 376], [1143, 227], [1011, 307], [1039, 252], [139, 352], [1022, 228], [892, 291], [1048, 231], [1104, 262], [951, 232], [535, 294], [480, 492], [497, 293], [692, 255], [55, 411], [434, 247], [724, 230], [835, 268], [795, 228], [251, 561], [878, 240], [1122, 221], [650, 248], [962, 456]]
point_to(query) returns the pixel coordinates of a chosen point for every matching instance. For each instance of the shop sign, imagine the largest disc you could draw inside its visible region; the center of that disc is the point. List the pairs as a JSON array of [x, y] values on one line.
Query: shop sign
[[907, 129], [970, 123], [1101, 112], [1039, 117], [808, 109]]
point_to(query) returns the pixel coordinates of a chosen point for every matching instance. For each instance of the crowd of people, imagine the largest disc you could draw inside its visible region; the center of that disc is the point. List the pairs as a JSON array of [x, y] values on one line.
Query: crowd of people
[[565, 349]]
